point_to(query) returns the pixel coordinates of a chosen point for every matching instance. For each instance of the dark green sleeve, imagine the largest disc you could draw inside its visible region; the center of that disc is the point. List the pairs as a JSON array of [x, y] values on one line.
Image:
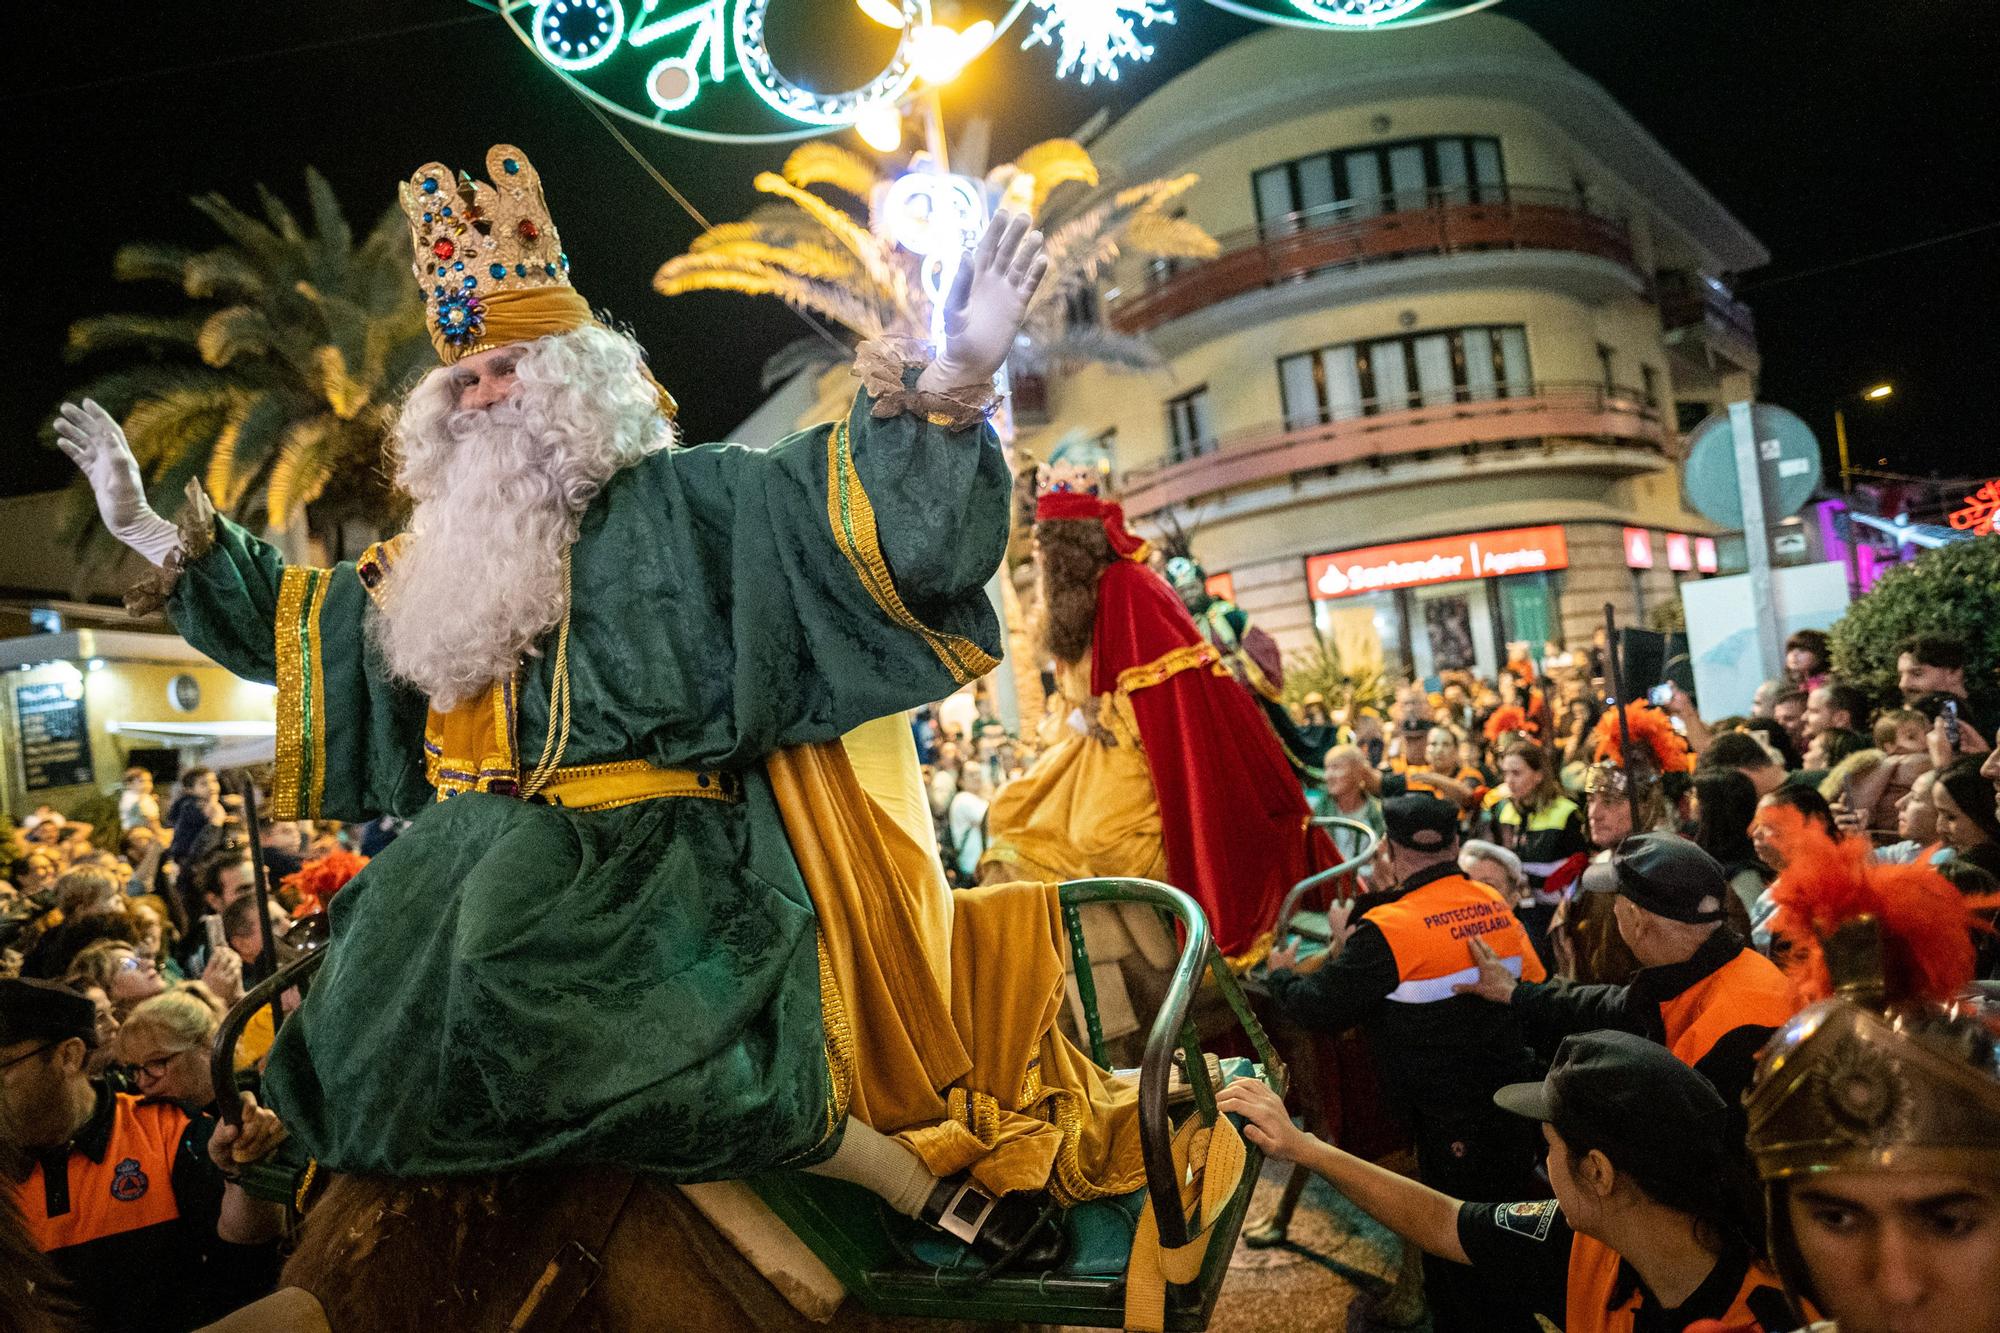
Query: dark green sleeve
[[858, 553], [349, 741]]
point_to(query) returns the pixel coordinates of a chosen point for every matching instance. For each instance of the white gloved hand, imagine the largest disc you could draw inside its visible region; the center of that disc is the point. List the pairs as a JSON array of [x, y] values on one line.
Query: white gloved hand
[[94, 442], [987, 304]]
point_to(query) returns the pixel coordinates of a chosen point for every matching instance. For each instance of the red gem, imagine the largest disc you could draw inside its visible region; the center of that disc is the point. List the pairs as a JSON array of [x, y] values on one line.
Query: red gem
[[528, 230], [443, 249]]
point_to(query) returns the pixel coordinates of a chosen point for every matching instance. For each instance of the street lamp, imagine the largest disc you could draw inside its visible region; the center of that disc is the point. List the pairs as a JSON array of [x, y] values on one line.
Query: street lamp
[[1874, 394]]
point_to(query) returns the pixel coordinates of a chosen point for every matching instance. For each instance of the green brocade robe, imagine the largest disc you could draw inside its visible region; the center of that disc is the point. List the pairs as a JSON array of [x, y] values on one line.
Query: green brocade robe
[[513, 983]]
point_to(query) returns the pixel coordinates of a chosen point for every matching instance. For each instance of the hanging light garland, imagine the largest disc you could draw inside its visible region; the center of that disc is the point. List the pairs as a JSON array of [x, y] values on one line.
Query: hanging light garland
[[705, 70]]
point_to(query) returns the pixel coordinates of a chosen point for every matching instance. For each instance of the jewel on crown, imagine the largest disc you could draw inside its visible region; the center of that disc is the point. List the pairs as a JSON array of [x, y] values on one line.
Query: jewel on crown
[[472, 240], [1069, 479]]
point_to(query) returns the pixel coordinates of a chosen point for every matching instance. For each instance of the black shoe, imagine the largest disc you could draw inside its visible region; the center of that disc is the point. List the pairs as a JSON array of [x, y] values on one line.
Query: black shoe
[[1021, 1231]]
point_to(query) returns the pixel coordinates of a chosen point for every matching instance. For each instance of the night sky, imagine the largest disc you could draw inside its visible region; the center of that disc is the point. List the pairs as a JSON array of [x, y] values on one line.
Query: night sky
[[1837, 130]]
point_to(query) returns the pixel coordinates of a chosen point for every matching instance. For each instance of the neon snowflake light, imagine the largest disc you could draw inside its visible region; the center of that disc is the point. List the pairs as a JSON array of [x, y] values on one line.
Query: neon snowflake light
[[1094, 35]]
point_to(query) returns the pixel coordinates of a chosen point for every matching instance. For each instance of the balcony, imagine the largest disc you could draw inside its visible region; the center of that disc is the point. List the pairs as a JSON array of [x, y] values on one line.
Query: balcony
[[1275, 453], [1697, 311], [1365, 234]]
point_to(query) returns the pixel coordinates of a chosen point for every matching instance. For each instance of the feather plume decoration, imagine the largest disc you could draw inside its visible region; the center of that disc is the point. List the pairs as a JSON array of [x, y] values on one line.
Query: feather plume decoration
[[319, 879], [1652, 730], [1926, 924], [1506, 718]]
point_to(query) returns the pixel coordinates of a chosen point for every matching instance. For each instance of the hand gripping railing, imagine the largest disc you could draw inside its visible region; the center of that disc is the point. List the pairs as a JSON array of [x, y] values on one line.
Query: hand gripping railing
[[1173, 1028], [1372, 841]]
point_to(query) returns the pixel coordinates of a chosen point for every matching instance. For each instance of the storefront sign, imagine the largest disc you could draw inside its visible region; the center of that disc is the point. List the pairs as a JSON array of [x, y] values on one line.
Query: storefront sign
[[55, 740], [1680, 551], [1638, 548], [1221, 585], [1476, 555], [1705, 558]]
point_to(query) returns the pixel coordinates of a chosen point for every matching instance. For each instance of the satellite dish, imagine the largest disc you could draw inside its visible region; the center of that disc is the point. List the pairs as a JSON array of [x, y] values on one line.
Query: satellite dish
[[1787, 448]]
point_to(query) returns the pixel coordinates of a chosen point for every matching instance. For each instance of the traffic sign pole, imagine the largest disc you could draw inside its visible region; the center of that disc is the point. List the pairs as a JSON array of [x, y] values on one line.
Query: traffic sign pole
[[1757, 541]]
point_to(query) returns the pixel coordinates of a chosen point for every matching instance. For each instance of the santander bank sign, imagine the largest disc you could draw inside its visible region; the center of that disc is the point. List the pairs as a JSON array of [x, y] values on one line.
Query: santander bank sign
[[1476, 555]]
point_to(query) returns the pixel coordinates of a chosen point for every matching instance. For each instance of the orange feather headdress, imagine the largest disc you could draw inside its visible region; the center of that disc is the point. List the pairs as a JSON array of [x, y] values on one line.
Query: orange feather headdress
[[319, 879], [1506, 718], [1652, 730]]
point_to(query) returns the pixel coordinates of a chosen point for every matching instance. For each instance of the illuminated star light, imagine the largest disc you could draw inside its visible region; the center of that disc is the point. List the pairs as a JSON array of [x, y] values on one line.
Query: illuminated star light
[[1095, 34]]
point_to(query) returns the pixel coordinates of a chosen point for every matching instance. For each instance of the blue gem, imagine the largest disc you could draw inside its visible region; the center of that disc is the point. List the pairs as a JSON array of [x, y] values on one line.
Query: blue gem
[[510, 166], [447, 212], [470, 283], [439, 289], [549, 269], [520, 270], [459, 267], [431, 187], [427, 217], [498, 270], [563, 260]]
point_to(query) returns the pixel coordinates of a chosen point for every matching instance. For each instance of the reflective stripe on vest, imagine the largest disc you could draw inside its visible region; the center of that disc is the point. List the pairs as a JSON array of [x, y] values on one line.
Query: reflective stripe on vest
[[1593, 1275], [1746, 991], [1427, 930], [1550, 817], [131, 1188]]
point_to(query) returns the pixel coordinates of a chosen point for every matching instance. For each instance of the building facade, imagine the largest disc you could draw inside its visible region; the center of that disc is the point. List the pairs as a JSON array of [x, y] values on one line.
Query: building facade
[[1432, 396]]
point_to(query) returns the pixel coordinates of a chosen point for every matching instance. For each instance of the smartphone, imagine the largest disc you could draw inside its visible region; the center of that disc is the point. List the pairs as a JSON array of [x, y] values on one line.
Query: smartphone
[[216, 939], [1661, 695], [1951, 724]]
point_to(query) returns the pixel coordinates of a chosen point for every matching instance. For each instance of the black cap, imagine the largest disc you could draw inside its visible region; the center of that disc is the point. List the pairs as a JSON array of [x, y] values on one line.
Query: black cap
[[1632, 1098], [44, 1011], [1421, 823], [1665, 875]]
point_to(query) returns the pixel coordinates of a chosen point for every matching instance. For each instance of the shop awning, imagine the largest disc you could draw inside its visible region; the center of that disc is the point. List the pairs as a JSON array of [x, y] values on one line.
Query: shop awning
[[222, 744]]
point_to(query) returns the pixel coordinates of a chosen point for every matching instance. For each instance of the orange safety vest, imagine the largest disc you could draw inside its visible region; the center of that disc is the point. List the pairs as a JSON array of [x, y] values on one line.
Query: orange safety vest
[[1747, 991], [1593, 1273], [129, 1188], [1427, 930]]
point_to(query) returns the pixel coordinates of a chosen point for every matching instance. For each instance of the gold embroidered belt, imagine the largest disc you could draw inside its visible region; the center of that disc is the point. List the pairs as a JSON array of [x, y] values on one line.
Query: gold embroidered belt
[[630, 781]]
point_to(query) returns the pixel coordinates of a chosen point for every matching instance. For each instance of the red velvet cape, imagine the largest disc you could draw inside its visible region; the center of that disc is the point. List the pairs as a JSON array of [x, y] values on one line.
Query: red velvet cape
[[1235, 822]]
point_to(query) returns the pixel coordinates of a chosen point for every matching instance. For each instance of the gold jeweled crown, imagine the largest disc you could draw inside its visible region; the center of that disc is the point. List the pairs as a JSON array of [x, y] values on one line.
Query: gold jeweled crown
[[1068, 479], [473, 242]]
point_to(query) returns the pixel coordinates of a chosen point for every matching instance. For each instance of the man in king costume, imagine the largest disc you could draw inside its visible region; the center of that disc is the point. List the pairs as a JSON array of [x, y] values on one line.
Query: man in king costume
[[646, 915], [1167, 768]]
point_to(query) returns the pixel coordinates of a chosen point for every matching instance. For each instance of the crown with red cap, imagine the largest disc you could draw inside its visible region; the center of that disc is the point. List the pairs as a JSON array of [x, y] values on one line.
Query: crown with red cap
[[1075, 491]]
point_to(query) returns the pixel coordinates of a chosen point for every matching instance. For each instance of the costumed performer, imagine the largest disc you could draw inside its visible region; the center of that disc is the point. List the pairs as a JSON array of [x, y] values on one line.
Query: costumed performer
[[1875, 1115], [645, 916], [1166, 768], [1252, 656]]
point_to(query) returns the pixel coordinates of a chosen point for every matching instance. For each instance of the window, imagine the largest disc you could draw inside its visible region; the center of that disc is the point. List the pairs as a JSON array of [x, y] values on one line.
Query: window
[[1080, 308], [1380, 178], [1394, 374], [1190, 429]]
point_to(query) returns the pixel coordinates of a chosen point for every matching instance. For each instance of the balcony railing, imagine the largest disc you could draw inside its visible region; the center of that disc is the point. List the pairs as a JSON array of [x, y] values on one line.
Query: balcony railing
[[1696, 300], [1588, 411], [1365, 233]]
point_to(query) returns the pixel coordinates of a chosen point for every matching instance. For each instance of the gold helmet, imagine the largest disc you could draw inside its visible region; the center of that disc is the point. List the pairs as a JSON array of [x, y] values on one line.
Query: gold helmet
[[1894, 1068]]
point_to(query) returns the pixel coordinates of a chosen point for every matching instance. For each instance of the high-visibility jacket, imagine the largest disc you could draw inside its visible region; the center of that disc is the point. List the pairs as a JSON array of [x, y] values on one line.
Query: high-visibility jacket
[[1427, 930], [127, 1188], [1747, 991], [1593, 1279], [1544, 838]]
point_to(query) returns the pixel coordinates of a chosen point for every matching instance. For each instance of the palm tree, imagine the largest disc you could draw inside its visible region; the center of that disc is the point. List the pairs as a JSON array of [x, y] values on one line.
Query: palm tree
[[839, 265], [275, 385]]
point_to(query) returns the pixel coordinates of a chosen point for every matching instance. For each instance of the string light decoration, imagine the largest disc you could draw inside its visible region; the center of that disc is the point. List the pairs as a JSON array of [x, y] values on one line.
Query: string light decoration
[[1094, 35], [703, 69]]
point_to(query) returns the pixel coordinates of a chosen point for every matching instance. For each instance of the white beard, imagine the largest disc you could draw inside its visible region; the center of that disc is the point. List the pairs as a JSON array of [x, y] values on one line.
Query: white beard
[[499, 496]]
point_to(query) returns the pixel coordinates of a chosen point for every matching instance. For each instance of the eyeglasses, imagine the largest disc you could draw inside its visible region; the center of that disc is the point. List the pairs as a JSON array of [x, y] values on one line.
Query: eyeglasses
[[29, 1055], [157, 1067], [135, 963]]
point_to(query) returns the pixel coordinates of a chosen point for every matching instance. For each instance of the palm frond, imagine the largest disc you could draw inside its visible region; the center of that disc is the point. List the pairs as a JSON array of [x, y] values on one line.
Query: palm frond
[[1055, 162], [150, 261], [863, 244], [234, 333], [223, 274], [346, 395], [1089, 344], [333, 239], [306, 459], [1171, 238], [1156, 193], [818, 162], [221, 471], [808, 261], [150, 333], [839, 304], [283, 221]]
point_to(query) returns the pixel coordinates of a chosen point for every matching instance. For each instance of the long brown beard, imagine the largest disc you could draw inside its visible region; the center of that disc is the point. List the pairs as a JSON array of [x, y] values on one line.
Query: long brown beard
[[1073, 554]]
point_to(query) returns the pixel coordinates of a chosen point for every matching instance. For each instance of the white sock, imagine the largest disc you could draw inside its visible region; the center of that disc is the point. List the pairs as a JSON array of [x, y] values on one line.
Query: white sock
[[878, 1163]]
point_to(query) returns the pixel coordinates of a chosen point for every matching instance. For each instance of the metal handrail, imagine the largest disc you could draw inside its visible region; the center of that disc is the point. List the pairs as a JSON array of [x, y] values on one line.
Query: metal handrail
[[1389, 414], [1290, 905], [222, 1051], [1173, 1029]]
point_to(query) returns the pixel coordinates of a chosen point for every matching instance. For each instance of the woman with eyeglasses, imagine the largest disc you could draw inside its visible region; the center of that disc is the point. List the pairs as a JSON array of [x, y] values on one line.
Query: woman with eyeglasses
[[125, 975], [165, 1042]]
